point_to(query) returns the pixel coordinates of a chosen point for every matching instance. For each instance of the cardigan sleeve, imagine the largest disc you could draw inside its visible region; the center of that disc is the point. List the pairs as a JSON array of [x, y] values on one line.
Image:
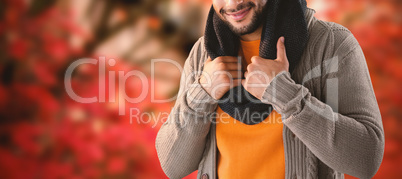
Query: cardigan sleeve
[[346, 131], [181, 140]]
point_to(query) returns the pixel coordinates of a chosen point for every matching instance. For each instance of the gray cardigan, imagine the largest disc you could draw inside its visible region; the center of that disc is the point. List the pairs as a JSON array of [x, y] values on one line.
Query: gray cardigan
[[332, 123]]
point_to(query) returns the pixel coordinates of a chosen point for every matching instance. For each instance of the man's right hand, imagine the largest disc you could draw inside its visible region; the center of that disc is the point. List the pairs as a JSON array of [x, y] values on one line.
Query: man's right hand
[[220, 75]]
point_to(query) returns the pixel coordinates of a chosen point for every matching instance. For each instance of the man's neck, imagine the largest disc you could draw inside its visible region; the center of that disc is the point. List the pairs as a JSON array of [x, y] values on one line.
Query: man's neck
[[256, 35]]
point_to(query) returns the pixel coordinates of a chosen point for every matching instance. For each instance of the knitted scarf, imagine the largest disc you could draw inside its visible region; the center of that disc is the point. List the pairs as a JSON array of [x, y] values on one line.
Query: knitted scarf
[[281, 18]]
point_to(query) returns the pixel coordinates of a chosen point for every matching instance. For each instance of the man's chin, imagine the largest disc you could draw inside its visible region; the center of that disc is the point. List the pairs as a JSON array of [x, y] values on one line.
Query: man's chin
[[241, 29], [241, 22]]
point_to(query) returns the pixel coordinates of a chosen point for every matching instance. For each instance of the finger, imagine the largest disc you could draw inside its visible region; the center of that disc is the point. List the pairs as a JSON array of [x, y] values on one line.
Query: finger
[[237, 82], [233, 66], [233, 83], [254, 59], [236, 74], [229, 66], [281, 50], [228, 59], [245, 74], [231, 74]]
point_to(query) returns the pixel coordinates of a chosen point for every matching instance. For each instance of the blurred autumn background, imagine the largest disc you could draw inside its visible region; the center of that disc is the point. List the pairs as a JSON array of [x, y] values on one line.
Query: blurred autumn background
[[44, 133]]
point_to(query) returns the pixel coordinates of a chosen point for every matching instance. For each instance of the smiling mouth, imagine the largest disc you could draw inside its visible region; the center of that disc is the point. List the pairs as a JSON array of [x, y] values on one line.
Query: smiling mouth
[[239, 15]]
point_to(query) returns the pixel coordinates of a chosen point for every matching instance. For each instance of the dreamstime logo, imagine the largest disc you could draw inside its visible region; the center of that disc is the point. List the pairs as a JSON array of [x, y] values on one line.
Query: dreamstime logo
[[329, 66]]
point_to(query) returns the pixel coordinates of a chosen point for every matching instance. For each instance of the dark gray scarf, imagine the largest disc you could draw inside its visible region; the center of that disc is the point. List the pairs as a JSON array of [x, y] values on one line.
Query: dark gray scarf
[[282, 18]]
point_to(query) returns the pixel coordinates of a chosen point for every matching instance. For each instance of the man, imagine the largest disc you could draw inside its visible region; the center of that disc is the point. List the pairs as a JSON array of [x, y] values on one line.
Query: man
[[309, 74]]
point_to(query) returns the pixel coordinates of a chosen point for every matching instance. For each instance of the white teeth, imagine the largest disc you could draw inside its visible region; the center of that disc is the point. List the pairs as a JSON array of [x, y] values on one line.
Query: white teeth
[[239, 14]]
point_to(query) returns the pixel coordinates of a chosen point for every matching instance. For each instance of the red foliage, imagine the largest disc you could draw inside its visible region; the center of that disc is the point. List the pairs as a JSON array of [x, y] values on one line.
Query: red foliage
[[44, 132], [377, 26]]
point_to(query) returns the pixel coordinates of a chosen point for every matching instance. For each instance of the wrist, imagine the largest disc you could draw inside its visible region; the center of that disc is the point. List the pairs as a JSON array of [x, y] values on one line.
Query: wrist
[[199, 99], [205, 86]]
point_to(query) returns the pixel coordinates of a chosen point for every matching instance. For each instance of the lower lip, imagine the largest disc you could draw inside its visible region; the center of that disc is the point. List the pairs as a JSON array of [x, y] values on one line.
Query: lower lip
[[240, 15]]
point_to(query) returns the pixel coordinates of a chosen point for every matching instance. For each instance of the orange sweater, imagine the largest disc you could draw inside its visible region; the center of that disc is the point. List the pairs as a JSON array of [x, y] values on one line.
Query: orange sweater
[[250, 151]]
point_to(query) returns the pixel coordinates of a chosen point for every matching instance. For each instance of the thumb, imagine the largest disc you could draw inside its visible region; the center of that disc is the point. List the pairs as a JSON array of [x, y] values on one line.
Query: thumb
[[281, 50]]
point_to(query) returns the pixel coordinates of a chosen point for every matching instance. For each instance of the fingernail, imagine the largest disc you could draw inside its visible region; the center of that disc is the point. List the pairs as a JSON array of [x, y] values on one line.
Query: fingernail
[[283, 39]]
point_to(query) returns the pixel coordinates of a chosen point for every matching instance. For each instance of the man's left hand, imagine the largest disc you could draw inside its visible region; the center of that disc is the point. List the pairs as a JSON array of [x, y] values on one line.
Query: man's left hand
[[260, 72]]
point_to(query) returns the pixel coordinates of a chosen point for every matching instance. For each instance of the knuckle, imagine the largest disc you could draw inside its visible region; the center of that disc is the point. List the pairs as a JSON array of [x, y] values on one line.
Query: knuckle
[[218, 59], [254, 59], [225, 79], [207, 61], [221, 66], [250, 67]]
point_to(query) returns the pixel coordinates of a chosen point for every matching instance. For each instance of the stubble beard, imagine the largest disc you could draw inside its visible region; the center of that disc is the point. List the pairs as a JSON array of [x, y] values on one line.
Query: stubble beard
[[256, 21]]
